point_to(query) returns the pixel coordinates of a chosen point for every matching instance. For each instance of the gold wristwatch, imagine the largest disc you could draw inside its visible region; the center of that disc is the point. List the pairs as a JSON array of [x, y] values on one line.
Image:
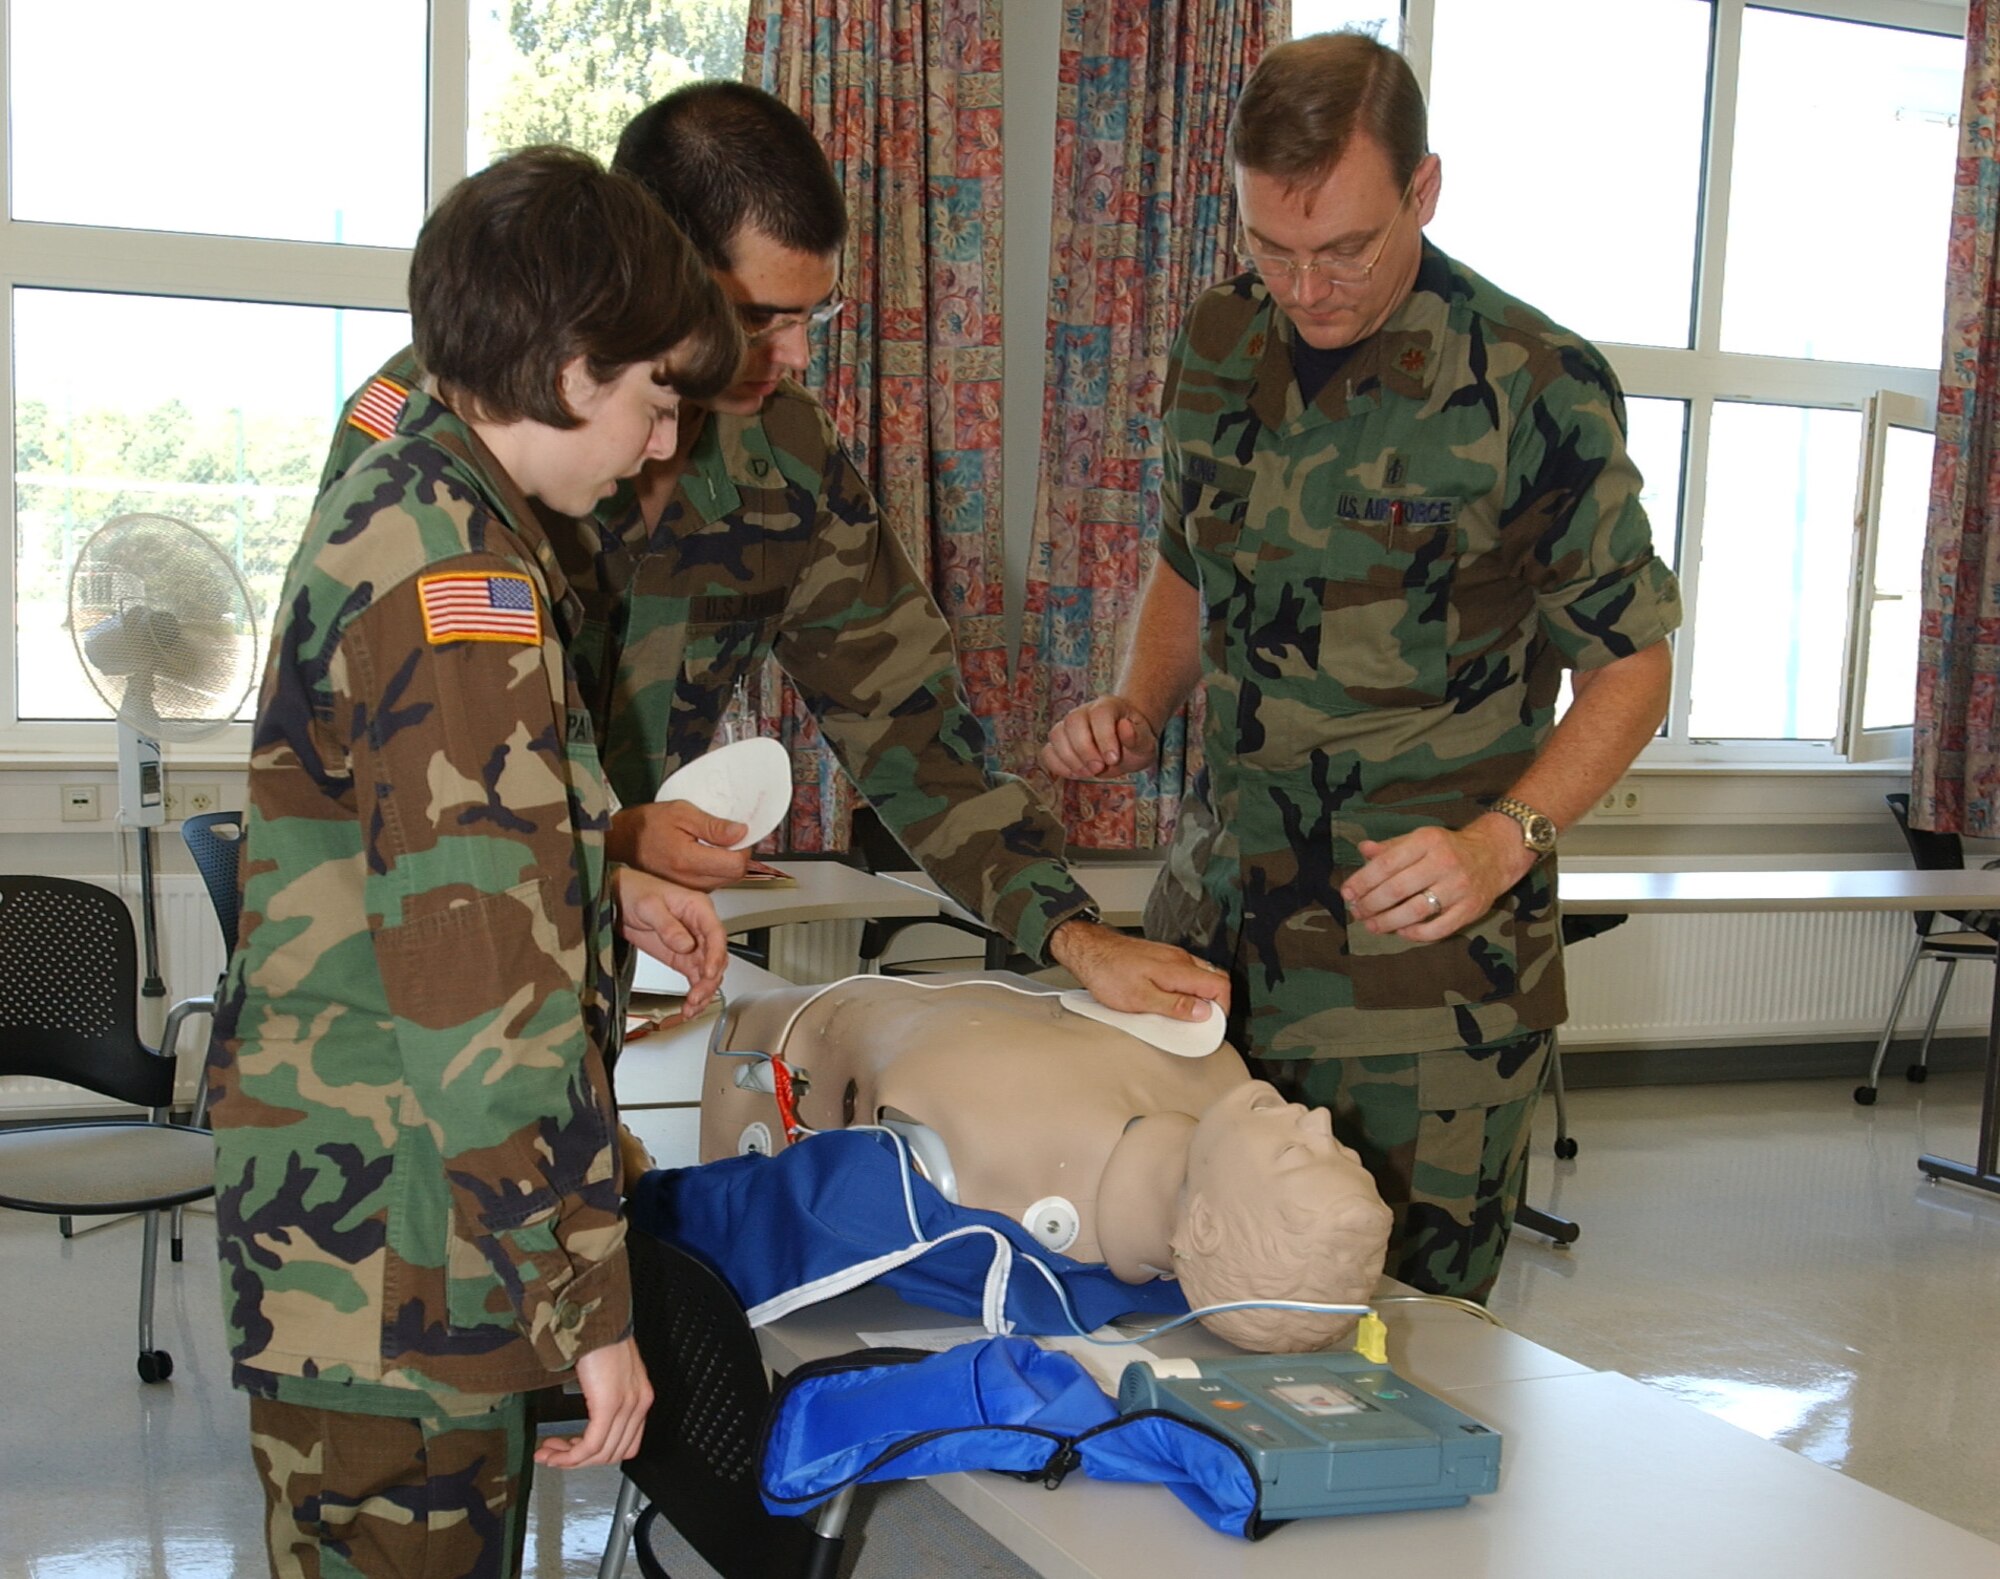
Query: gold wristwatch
[[1538, 833]]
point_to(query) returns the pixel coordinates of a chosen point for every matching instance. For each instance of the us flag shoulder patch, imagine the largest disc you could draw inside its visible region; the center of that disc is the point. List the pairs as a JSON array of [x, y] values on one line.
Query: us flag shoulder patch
[[377, 407], [480, 606]]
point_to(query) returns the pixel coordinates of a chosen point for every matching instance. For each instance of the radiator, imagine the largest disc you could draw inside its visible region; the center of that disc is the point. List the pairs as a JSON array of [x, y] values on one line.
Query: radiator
[[1771, 977], [816, 952], [191, 958]]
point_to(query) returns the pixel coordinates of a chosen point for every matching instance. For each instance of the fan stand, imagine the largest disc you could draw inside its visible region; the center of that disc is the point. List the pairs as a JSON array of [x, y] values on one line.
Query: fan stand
[[142, 807]]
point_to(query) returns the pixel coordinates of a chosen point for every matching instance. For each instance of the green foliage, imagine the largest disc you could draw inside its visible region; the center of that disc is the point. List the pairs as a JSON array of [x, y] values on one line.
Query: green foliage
[[253, 484], [583, 68]]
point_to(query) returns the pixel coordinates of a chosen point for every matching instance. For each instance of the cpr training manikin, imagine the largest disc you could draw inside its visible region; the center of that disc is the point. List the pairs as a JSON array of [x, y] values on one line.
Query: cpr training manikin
[[1102, 1147]]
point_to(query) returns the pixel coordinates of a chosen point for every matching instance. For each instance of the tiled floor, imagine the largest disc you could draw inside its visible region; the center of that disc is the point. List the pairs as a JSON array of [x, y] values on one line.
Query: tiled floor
[[1767, 1252]]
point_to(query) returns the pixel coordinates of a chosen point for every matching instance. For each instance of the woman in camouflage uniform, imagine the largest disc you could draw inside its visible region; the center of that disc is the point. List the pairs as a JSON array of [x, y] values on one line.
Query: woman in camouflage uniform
[[418, 1199]]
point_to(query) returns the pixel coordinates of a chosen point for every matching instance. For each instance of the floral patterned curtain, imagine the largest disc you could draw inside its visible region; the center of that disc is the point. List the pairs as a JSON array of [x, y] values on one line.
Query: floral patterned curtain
[[1144, 221], [1955, 784], [905, 97]]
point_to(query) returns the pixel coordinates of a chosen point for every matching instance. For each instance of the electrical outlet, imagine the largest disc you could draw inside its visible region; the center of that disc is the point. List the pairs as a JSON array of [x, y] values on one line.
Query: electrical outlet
[[199, 799], [1621, 800], [170, 800], [79, 803]]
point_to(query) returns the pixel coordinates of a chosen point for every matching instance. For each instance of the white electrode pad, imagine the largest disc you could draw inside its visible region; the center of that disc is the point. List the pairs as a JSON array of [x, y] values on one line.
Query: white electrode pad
[[746, 781], [1182, 1038]]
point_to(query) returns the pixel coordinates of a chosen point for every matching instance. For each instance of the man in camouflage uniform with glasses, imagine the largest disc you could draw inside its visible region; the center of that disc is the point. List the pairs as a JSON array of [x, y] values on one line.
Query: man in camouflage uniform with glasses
[[760, 538], [1397, 507]]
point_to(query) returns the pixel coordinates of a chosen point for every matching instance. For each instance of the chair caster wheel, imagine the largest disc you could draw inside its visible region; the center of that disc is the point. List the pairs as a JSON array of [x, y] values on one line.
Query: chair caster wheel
[[155, 1365], [1917, 1074], [1865, 1095], [1566, 1148]]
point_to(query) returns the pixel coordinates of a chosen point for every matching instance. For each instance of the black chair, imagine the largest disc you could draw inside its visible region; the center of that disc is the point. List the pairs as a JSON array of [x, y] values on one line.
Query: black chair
[[1971, 935], [213, 839], [697, 1466], [69, 985]]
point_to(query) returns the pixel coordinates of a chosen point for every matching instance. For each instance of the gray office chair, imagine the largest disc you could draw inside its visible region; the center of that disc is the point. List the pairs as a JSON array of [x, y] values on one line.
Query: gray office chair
[[69, 985], [1970, 936]]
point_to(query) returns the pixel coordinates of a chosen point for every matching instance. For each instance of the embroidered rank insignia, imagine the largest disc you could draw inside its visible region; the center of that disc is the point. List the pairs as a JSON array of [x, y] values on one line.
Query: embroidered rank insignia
[[480, 606], [378, 406]]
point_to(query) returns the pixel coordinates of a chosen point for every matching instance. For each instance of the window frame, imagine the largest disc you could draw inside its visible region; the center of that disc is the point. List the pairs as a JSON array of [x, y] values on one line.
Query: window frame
[[1703, 373], [44, 255]]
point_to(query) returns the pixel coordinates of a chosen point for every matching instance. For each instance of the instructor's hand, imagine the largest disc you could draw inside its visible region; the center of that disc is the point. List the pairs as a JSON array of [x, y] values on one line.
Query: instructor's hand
[[1467, 869], [1133, 974], [677, 840], [616, 1394], [1107, 738]]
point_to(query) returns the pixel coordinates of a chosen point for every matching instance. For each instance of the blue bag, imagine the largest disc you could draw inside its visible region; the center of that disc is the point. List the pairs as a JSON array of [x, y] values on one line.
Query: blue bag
[[1000, 1403], [843, 1208]]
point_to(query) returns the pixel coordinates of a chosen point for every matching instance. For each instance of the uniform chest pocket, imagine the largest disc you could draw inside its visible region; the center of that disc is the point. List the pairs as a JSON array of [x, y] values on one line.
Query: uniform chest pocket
[[1215, 503], [1386, 610], [716, 657]]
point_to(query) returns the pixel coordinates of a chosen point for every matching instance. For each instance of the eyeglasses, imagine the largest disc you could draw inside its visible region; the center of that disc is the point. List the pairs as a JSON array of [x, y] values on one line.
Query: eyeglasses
[[761, 323], [1290, 276]]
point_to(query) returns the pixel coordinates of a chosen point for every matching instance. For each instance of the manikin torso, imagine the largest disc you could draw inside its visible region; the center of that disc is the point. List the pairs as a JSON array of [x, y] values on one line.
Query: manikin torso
[[1029, 1102]]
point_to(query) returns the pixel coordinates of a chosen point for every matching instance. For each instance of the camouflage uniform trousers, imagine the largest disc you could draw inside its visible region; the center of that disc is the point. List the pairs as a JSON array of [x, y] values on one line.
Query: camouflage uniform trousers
[[1445, 1135], [361, 1496]]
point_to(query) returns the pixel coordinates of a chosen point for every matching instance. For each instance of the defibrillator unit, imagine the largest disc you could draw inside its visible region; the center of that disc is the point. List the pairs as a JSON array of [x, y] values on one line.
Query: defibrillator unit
[[1326, 1433]]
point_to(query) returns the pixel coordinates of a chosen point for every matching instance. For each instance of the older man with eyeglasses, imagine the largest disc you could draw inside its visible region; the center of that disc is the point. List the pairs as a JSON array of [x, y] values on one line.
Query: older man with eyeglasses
[[1397, 508], [757, 539]]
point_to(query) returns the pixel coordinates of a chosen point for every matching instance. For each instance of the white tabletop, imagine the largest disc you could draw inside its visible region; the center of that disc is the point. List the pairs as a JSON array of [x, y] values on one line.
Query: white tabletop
[[1900, 888], [1120, 889], [820, 891], [1601, 1477]]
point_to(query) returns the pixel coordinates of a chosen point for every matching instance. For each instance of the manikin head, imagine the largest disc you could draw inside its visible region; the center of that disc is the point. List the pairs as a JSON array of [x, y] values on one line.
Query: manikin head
[[744, 177], [1275, 1208]]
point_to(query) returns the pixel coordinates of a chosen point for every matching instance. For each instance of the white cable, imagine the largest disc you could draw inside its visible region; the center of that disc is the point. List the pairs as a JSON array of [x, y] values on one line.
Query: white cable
[[785, 1031], [1450, 1300]]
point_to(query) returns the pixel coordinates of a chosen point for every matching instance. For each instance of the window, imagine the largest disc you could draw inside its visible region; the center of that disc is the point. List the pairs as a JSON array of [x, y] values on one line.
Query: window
[[203, 248], [1745, 205]]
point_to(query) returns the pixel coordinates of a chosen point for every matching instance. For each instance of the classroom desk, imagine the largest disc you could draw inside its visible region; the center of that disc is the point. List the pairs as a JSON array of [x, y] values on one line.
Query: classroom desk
[[1637, 893], [1120, 889], [1599, 1476], [819, 891]]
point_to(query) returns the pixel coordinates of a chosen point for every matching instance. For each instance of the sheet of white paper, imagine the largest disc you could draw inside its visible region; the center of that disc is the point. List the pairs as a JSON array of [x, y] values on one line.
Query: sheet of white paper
[[1105, 1363], [933, 1340]]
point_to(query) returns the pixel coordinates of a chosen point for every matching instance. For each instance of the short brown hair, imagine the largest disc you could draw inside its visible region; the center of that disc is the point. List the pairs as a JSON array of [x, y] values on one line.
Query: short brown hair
[[1307, 98], [724, 155], [543, 257]]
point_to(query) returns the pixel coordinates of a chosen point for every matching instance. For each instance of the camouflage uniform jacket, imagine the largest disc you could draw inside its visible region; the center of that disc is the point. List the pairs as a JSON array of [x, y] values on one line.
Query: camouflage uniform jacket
[[1392, 580], [772, 544], [418, 1199]]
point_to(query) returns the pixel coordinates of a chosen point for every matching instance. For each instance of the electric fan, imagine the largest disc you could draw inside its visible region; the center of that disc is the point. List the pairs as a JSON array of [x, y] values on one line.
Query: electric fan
[[164, 628]]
